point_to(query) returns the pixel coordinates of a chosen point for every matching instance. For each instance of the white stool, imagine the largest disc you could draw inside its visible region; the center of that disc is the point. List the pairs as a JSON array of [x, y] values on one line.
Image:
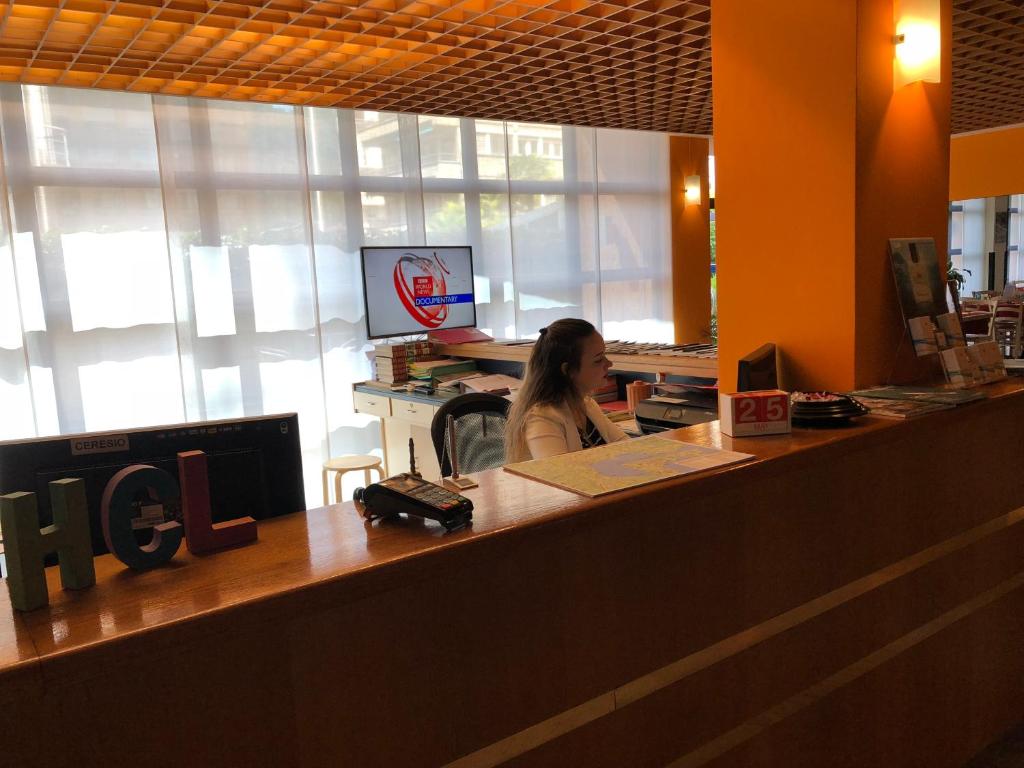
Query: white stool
[[348, 464]]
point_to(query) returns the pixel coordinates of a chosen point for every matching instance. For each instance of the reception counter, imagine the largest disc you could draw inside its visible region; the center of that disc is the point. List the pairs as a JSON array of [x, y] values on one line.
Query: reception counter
[[852, 597]]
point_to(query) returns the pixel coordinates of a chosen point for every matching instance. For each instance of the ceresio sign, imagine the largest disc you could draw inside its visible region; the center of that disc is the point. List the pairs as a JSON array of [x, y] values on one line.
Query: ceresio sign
[[81, 446]]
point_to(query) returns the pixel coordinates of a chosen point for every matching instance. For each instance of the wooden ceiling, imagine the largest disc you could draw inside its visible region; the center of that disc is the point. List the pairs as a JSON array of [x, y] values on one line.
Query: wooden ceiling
[[988, 64], [621, 63]]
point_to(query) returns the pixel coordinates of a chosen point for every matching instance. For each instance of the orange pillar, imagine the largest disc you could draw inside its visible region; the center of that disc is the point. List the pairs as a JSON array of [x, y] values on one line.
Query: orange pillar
[[818, 162], [691, 240]]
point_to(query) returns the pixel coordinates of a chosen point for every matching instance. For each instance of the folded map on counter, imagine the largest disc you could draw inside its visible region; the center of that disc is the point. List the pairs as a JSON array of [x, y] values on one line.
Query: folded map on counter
[[625, 464]]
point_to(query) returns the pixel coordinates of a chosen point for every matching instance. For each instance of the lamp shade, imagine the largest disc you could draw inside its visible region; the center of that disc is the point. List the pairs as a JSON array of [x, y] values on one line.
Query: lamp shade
[[691, 189], [918, 42]]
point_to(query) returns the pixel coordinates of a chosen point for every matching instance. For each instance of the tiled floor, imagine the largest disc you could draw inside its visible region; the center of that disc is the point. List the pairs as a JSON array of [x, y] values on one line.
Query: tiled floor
[[1005, 752]]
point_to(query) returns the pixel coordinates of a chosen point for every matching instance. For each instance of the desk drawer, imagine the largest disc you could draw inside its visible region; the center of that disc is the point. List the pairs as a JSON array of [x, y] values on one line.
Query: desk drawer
[[415, 413], [378, 405]]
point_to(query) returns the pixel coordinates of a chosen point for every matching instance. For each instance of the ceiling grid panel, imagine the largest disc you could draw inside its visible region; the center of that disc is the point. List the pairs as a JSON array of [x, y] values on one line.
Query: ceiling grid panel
[[642, 64]]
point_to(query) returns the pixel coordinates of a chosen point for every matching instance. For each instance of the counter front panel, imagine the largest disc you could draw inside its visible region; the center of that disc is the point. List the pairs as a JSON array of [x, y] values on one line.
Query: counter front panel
[[851, 597]]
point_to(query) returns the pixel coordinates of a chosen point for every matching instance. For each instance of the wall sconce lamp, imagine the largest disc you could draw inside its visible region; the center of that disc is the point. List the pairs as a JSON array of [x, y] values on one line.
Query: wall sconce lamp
[[918, 42], [691, 190]]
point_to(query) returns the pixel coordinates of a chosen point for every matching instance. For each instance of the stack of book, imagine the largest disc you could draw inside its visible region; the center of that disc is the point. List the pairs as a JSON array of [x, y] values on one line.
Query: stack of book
[[436, 368], [391, 370], [607, 392], [617, 410], [392, 361]]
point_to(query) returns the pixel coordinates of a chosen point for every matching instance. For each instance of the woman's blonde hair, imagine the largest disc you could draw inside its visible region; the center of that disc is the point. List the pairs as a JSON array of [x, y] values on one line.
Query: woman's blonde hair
[[548, 380]]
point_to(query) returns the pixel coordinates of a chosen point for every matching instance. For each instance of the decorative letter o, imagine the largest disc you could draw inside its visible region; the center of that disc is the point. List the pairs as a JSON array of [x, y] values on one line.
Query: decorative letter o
[[116, 513]]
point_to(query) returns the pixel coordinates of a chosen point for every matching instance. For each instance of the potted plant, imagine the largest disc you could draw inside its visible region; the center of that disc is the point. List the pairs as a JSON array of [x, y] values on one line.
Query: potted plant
[[955, 277]]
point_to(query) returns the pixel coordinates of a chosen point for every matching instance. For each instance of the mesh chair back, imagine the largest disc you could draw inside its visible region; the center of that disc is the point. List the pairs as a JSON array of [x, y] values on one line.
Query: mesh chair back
[[479, 432], [1008, 329]]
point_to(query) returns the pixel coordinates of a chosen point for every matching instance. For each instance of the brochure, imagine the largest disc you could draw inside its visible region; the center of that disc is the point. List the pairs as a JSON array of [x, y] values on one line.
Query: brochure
[[918, 282], [925, 335], [900, 409], [922, 394], [989, 358], [961, 368], [949, 324], [921, 291]]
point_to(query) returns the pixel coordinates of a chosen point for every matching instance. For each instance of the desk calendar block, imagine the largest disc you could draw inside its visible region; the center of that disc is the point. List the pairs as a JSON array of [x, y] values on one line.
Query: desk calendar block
[[765, 412]]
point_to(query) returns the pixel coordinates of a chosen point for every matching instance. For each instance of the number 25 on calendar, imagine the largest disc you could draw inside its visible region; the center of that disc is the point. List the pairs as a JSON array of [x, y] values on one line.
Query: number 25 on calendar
[[755, 413]]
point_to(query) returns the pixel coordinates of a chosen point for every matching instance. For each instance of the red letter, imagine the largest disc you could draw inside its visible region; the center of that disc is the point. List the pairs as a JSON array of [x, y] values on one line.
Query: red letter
[[201, 535]]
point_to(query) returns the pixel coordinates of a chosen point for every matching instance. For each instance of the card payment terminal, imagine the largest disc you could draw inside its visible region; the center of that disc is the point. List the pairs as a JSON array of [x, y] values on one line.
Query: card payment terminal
[[412, 495]]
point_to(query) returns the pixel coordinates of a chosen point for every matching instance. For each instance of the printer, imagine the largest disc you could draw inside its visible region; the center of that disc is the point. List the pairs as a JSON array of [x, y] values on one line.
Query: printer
[[657, 414]]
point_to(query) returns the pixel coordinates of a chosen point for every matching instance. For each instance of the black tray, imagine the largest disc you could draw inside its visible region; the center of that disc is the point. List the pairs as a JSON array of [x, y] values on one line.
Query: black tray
[[827, 412], [847, 409]]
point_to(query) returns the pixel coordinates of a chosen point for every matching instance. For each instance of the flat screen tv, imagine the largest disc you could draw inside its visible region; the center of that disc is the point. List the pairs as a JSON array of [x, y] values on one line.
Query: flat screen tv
[[254, 466], [416, 290], [757, 370]]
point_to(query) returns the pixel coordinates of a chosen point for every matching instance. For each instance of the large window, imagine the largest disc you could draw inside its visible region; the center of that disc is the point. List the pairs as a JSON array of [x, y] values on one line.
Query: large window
[[167, 259], [1015, 239], [967, 242]]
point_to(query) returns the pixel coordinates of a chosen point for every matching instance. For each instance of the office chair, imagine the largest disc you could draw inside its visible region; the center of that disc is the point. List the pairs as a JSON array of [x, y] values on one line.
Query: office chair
[[479, 432], [1008, 331]]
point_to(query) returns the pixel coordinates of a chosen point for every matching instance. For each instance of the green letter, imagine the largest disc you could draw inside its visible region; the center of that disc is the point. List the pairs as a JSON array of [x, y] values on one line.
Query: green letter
[[26, 545]]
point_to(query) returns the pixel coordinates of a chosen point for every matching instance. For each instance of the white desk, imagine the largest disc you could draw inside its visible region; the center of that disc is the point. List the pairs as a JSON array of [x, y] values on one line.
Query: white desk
[[402, 416]]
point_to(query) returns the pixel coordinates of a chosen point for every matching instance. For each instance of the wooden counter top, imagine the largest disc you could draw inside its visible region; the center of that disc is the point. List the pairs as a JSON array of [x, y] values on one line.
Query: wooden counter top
[[334, 545], [721, 601]]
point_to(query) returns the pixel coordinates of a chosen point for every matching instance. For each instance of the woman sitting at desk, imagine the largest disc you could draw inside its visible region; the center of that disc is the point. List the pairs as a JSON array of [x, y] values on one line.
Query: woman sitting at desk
[[553, 412]]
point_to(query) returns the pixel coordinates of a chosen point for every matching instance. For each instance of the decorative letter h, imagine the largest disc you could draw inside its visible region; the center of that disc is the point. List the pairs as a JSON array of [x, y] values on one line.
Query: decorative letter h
[[26, 545]]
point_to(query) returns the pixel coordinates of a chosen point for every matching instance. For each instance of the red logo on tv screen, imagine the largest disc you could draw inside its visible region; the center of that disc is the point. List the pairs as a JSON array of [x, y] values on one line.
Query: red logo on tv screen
[[417, 279]]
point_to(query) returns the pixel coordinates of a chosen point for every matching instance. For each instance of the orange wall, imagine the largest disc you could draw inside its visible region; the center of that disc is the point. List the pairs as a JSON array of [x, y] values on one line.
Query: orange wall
[[987, 164], [818, 163], [784, 96], [902, 172], [691, 241]]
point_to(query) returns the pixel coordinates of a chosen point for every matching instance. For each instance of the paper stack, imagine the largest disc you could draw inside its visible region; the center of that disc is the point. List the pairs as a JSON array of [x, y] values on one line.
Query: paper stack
[[434, 369], [498, 384]]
